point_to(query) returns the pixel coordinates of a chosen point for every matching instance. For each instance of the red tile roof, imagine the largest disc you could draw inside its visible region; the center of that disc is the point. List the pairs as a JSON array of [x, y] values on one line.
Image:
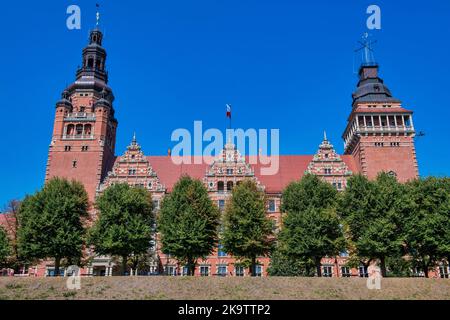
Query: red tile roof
[[291, 168]]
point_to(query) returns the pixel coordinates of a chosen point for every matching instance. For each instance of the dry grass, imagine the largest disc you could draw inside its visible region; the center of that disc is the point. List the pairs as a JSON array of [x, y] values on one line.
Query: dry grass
[[209, 288]]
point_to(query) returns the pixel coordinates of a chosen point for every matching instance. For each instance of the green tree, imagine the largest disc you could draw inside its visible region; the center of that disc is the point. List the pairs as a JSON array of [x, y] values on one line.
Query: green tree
[[188, 222], [426, 222], [373, 211], [5, 248], [247, 231], [283, 265], [125, 222], [311, 228], [51, 222]]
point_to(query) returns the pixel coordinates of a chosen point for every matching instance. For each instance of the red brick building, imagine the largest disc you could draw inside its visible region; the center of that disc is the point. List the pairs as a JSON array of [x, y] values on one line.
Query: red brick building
[[379, 137]]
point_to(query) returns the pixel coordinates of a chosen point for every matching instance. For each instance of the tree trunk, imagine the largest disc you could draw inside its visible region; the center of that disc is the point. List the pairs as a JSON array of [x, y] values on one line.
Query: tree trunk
[[383, 267], [191, 267], [253, 267], [57, 265], [425, 269], [318, 267], [124, 264]]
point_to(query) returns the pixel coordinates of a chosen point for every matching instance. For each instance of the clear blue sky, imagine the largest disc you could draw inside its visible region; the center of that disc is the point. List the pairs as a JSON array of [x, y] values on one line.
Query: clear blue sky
[[282, 64]]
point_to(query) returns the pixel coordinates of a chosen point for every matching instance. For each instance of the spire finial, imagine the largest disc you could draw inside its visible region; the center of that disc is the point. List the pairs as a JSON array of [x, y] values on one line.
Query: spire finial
[[367, 50], [134, 138], [325, 136], [97, 15]]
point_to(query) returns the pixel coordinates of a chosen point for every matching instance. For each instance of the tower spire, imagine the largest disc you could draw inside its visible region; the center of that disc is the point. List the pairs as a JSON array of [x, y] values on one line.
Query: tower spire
[[367, 50], [97, 15]]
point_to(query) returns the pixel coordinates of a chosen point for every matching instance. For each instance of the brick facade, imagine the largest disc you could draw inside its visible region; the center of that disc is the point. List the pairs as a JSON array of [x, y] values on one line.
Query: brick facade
[[379, 137]]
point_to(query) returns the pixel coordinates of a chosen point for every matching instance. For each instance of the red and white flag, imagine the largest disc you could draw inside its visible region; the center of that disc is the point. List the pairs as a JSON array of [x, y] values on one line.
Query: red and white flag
[[229, 111]]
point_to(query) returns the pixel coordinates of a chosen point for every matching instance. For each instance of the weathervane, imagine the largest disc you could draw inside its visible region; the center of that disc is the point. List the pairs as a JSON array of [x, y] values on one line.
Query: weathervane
[[367, 45], [97, 15]]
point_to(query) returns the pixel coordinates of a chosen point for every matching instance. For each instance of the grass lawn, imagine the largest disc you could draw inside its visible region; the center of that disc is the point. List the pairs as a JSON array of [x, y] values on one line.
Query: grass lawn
[[206, 288]]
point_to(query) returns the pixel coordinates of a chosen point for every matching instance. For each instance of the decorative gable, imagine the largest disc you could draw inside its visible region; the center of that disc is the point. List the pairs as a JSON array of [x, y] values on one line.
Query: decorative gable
[[228, 169], [135, 169], [329, 165]]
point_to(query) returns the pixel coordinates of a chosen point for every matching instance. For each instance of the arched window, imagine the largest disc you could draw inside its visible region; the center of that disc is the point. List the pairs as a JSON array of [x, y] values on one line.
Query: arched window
[[70, 129], [79, 129], [220, 186], [87, 129], [229, 185], [90, 63]]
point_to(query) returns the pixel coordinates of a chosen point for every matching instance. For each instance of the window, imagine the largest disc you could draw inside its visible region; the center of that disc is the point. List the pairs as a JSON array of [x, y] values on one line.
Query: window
[[155, 204], [258, 270], [51, 272], [443, 272], [339, 185], [131, 172], [229, 185], [395, 144], [220, 251], [327, 271], [229, 171], [345, 272], [221, 204], [74, 163], [379, 144], [271, 205], [170, 270], [82, 109], [220, 186], [84, 148], [363, 273], [239, 271], [185, 271], [222, 270], [67, 148], [79, 129], [204, 271], [327, 170]]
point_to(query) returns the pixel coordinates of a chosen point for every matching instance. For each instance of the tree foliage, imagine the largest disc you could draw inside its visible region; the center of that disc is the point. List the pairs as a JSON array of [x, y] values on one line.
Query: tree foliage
[[125, 222], [247, 231], [373, 210], [5, 248], [311, 228], [426, 222], [51, 222], [188, 222]]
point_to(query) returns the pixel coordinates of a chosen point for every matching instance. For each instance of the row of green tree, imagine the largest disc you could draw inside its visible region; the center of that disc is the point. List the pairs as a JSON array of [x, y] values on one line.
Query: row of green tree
[[400, 225]]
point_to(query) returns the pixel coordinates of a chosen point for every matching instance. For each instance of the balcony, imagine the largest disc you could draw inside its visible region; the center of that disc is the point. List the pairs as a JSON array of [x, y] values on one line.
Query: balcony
[[80, 116], [78, 137]]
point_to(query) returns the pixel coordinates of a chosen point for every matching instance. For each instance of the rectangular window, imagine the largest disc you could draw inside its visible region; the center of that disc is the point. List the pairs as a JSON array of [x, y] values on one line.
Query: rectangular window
[[229, 171], [204, 271], [51, 272], [239, 271], [67, 148], [155, 204], [272, 205], [222, 270], [327, 271], [259, 270], [171, 270], [185, 271], [443, 272], [221, 204], [131, 172], [363, 272], [345, 272]]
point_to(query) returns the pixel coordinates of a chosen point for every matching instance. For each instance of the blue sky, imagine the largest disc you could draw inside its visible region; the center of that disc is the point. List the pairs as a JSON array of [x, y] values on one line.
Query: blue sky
[[281, 64]]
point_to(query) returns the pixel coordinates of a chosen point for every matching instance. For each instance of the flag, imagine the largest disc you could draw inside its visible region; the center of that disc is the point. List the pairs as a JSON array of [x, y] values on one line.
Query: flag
[[229, 111]]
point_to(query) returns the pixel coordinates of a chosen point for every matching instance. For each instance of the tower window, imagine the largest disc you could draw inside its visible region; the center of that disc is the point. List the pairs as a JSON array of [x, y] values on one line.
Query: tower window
[[74, 163], [131, 172], [67, 148], [327, 170], [84, 148], [82, 109]]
